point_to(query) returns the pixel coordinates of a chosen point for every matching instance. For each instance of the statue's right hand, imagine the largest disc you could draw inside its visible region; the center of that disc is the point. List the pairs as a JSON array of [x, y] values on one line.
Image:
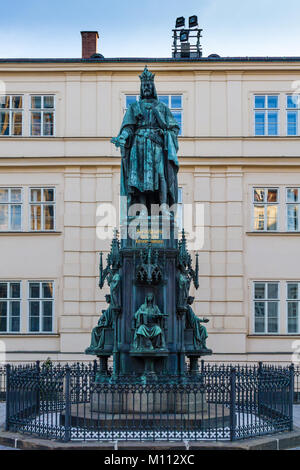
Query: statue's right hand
[[119, 141]]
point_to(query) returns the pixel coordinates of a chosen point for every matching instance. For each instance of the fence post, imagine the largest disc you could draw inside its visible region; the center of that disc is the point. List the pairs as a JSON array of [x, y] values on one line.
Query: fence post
[[68, 406], [38, 371], [7, 397], [232, 403], [291, 394], [259, 388], [95, 368]]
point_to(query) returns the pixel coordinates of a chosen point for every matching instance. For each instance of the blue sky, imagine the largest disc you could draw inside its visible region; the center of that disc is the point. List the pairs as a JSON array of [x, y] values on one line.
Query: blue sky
[[142, 28]]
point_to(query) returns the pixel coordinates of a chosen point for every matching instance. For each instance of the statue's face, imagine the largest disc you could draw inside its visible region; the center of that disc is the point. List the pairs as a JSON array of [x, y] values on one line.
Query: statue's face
[[149, 298], [147, 89]]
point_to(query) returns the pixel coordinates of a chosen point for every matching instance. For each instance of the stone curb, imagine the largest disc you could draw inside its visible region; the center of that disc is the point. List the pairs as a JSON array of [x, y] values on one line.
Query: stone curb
[[286, 440]]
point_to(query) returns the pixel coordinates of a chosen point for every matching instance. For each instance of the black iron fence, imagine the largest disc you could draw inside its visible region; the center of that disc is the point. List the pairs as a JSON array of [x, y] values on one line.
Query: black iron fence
[[296, 380], [220, 403]]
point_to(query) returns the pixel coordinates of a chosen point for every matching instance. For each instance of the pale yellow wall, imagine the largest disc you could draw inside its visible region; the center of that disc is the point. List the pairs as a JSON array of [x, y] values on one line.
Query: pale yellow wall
[[220, 163]]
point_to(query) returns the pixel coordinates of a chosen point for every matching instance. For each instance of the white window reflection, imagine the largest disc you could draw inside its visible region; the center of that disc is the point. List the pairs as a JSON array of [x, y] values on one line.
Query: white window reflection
[[42, 209], [265, 209], [292, 209], [266, 307], [10, 209], [42, 115]]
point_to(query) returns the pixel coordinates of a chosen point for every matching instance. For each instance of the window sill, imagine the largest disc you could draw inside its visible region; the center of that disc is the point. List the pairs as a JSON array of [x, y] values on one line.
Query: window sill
[[28, 136], [29, 335], [265, 233], [44, 232], [274, 335]]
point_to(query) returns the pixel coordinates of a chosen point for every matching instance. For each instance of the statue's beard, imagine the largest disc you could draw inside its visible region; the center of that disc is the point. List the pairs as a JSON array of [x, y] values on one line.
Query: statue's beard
[[148, 93]]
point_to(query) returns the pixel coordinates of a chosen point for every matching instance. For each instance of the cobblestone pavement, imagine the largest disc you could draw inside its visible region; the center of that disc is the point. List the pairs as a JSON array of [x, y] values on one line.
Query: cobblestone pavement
[[7, 448], [297, 415], [2, 414], [296, 420], [2, 421]]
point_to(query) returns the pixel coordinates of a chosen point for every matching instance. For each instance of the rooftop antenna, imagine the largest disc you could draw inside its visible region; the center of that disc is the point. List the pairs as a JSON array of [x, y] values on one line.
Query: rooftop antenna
[[186, 41]]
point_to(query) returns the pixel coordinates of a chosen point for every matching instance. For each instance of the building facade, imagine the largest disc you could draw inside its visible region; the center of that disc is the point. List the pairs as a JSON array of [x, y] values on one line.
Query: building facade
[[239, 160]]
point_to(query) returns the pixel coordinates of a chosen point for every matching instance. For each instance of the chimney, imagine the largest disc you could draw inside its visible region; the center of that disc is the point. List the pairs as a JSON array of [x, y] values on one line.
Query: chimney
[[89, 43]]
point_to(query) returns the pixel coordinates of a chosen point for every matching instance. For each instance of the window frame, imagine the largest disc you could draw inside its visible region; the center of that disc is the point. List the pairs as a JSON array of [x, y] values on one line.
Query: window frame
[[266, 110], [42, 203], [266, 300], [40, 300], [10, 204], [265, 204], [8, 301], [287, 300], [296, 110], [169, 105], [42, 110], [11, 110], [287, 204]]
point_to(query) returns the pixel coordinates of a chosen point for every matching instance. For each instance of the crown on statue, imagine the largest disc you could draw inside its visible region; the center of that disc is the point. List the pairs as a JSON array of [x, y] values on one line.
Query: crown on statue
[[147, 76]]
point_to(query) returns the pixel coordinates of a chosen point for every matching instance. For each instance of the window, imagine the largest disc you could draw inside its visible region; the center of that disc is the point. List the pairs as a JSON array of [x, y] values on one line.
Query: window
[[292, 114], [10, 306], [41, 297], [42, 115], [179, 215], [265, 201], [293, 300], [292, 209], [266, 302], [10, 209], [11, 115], [266, 114], [42, 209], [174, 102]]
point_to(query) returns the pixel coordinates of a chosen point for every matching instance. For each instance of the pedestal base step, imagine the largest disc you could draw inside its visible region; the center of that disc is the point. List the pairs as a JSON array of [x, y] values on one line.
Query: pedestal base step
[[82, 416], [148, 402]]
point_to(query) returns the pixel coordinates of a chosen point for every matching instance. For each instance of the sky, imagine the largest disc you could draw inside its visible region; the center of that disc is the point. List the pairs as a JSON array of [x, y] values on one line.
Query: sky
[[143, 28]]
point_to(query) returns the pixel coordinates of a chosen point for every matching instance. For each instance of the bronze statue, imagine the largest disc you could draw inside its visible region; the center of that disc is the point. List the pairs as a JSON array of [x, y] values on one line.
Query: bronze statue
[[112, 271], [194, 322], [183, 283], [114, 285], [148, 333], [105, 321], [148, 141]]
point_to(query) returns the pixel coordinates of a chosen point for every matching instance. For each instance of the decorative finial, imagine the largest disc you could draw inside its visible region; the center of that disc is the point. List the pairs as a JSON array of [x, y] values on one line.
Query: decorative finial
[[147, 76]]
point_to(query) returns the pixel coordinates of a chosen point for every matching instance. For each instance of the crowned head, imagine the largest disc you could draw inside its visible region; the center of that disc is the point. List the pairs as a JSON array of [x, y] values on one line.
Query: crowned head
[[148, 90]]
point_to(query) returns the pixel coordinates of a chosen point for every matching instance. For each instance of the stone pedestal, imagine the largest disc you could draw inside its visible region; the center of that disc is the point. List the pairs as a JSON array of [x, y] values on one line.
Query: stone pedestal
[[85, 415], [148, 403]]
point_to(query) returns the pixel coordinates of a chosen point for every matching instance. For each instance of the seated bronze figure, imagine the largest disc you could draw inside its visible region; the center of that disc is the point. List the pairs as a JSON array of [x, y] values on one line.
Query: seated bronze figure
[[194, 322], [98, 338], [148, 333]]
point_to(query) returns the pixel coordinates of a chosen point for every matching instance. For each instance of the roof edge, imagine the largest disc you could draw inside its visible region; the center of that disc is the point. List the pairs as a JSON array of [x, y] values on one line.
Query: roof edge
[[151, 59]]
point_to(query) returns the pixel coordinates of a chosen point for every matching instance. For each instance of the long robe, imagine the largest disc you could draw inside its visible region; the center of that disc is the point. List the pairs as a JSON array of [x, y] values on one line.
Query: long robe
[[151, 149], [97, 339], [146, 326], [200, 332]]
